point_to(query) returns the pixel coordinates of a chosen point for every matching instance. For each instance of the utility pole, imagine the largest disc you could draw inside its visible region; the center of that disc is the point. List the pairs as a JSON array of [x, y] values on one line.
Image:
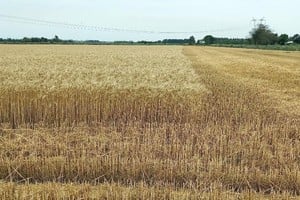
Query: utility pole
[[254, 22], [257, 22], [262, 20]]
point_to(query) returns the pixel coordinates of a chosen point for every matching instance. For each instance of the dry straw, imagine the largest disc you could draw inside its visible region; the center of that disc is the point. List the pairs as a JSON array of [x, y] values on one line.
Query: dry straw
[[149, 119]]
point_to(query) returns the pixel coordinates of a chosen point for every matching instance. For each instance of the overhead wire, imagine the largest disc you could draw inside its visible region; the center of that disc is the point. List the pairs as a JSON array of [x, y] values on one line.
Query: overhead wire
[[25, 20]]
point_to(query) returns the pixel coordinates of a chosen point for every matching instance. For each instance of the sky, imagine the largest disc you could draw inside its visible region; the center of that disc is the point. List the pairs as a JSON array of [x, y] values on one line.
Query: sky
[[220, 18]]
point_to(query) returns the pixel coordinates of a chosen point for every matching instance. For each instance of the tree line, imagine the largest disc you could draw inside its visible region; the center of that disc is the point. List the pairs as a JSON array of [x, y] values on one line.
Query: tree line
[[260, 35], [57, 40]]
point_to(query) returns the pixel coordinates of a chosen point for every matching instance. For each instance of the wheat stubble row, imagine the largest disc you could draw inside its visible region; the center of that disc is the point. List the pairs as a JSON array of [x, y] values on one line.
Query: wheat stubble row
[[144, 115]]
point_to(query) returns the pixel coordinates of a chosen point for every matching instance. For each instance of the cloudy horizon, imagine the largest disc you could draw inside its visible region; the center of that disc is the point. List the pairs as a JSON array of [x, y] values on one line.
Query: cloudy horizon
[[199, 18]]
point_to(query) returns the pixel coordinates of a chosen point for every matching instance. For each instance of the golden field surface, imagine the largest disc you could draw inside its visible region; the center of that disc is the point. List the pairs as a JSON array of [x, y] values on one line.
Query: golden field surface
[[148, 122]]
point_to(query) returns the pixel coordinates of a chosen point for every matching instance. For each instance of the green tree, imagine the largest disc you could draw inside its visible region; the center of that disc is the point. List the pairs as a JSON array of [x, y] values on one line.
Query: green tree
[[192, 40], [26, 39], [282, 39], [296, 38], [56, 38], [262, 35], [209, 39]]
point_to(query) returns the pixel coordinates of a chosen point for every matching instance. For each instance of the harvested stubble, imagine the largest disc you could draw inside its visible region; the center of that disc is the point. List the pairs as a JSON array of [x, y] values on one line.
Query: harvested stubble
[[118, 192], [202, 127]]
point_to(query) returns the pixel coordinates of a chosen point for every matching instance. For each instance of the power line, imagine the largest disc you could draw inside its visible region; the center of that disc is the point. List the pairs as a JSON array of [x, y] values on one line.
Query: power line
[[254, 22], [260, 21], [25, 20]]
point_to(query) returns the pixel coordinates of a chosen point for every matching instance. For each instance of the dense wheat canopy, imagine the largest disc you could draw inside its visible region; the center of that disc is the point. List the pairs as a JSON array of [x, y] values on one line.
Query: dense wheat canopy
[[97, 67], [148, 122], [95, 84]]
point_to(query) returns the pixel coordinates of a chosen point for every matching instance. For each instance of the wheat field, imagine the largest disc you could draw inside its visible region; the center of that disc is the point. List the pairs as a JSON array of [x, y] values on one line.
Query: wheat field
[[148, 122]]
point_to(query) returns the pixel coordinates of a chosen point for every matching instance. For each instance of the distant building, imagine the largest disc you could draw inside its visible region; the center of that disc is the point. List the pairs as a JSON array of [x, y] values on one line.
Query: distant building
[[200, 42], [289, 43]]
